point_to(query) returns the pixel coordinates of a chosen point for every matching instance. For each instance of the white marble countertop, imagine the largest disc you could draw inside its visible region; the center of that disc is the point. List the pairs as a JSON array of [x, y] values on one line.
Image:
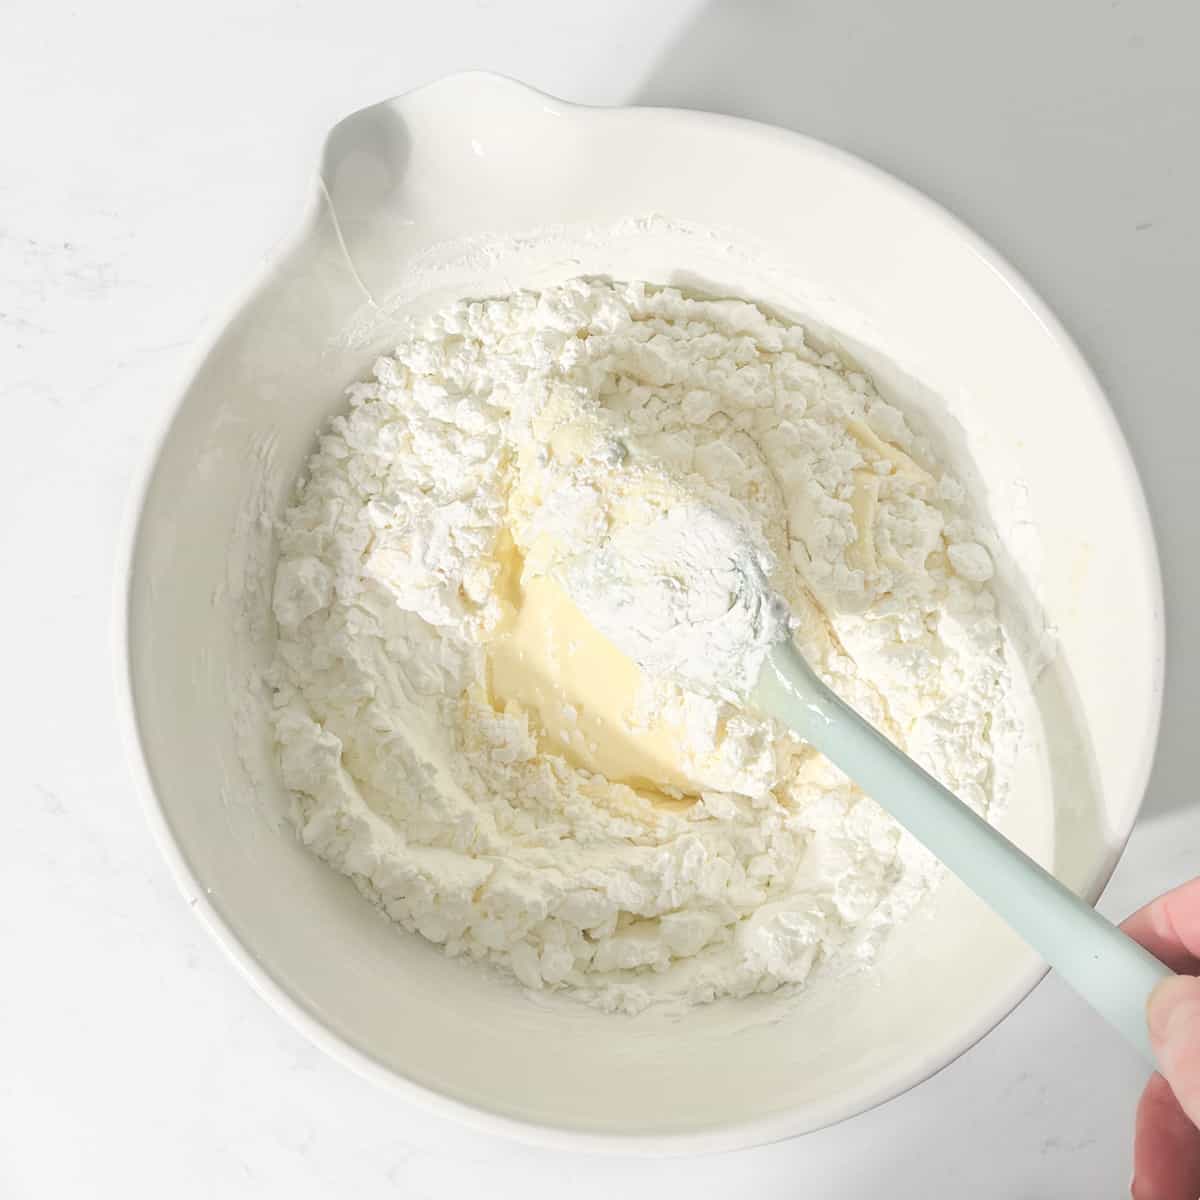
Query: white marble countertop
[[152, 156]]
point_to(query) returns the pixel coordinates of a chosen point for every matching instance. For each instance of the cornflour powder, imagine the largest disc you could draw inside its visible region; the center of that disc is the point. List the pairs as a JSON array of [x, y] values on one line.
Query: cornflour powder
[[482, 822]]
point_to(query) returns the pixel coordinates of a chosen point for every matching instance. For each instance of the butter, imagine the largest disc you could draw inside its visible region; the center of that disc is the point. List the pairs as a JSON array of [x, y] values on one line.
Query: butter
[[579, 689]]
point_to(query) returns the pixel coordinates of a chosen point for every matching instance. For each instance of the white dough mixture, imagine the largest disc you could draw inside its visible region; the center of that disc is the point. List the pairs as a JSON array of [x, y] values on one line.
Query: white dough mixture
[[464, 740]]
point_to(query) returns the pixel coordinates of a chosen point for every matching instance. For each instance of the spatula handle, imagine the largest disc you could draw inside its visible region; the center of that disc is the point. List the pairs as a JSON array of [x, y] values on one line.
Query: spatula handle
[[1107, 968]]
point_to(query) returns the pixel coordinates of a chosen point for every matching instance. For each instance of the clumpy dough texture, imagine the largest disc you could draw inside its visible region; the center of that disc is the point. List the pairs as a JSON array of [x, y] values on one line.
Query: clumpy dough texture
[[430, 518]]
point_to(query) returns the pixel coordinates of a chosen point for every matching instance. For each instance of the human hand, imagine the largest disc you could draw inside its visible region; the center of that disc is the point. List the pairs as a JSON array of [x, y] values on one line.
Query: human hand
[[1166, 1140]]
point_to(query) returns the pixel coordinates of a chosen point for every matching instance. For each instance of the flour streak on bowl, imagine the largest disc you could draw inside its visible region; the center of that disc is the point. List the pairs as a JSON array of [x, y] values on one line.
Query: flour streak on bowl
[[474, 186]]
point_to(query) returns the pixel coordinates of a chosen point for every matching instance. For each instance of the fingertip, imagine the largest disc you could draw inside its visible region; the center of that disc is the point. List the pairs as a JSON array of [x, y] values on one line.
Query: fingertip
[[1173, 1005], [1173, 1016]]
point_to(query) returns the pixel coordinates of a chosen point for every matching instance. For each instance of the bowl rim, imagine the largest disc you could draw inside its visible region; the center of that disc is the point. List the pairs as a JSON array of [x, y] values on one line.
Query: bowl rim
[[717, 1138]]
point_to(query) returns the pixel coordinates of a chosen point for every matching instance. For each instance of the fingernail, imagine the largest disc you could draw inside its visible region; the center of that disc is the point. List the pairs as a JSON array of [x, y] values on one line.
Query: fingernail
[[1173, 1002]]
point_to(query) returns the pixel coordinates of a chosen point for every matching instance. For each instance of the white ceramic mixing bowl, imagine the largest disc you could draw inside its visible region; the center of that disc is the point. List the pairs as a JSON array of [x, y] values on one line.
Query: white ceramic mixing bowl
[[475, 185]]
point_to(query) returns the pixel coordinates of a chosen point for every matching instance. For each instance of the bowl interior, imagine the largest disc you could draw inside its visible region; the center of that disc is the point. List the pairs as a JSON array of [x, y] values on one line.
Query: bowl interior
[[436, 195]]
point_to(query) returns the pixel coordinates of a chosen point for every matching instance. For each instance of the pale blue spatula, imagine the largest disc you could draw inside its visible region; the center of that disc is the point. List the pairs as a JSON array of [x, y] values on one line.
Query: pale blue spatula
[[684, 593]]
